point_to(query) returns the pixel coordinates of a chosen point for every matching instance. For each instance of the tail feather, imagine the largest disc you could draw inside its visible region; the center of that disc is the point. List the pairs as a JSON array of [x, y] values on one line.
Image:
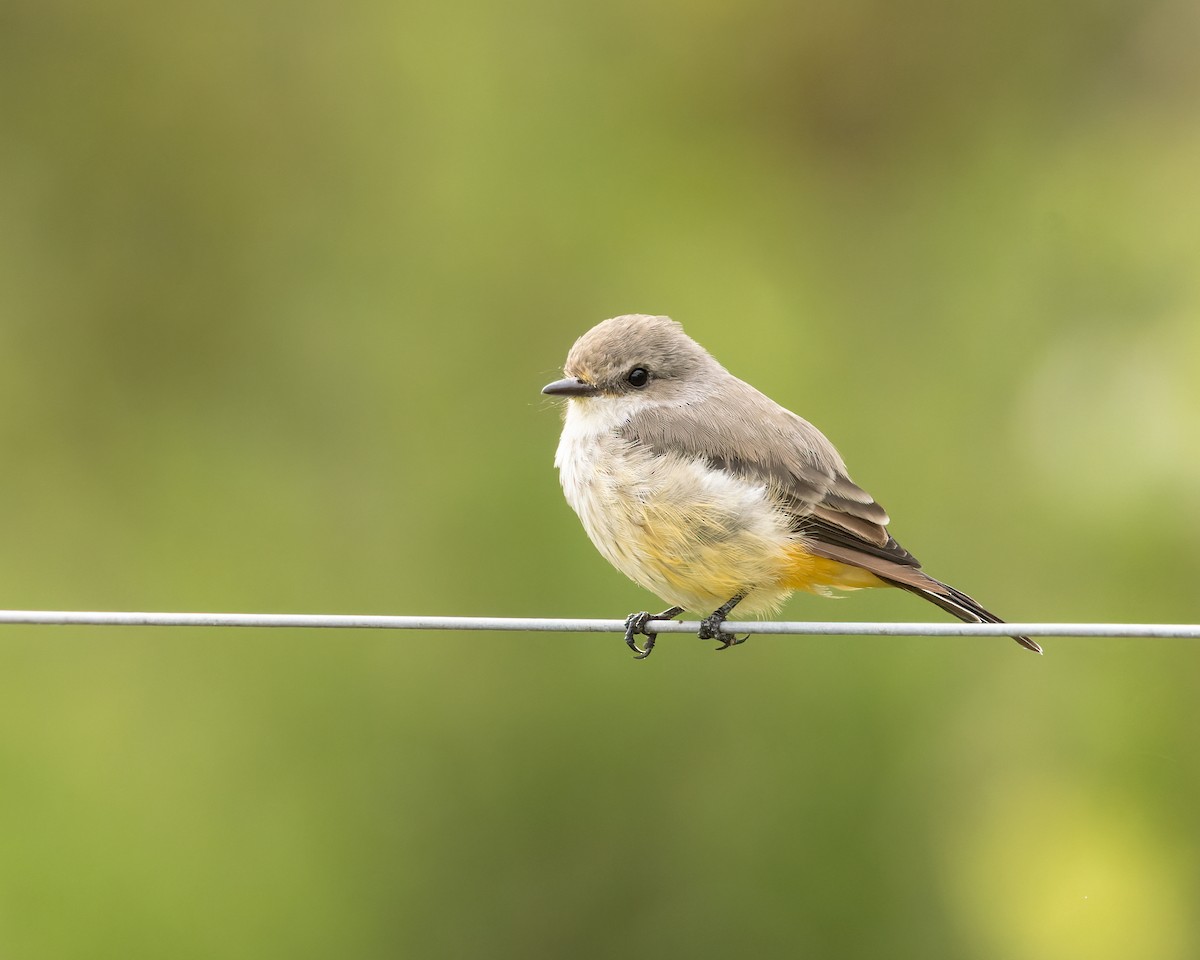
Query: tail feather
[[914, 580], [956, 602]]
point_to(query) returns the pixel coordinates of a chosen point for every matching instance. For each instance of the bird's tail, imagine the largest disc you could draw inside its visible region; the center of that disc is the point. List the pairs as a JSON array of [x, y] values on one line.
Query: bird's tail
[[909, 577], [952, 601]]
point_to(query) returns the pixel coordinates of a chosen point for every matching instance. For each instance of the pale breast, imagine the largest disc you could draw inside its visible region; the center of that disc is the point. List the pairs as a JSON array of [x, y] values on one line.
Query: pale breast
[[694, 535]]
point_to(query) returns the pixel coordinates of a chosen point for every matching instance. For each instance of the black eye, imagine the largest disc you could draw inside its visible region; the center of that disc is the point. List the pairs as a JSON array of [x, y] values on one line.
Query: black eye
[[638, 377]]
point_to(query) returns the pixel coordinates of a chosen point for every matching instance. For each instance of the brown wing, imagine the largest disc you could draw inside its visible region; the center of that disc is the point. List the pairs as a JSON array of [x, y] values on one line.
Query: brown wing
[[746, 433]]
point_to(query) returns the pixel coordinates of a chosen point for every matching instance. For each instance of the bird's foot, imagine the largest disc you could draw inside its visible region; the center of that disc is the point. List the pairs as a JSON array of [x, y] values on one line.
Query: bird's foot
[[635, 624], [710, 629]]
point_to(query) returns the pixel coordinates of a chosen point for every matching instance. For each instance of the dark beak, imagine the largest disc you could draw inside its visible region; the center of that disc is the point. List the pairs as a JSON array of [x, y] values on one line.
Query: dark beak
[[570, 387]]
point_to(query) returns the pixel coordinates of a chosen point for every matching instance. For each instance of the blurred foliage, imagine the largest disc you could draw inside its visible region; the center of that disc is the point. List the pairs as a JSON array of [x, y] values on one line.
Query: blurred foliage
[[279, 286]]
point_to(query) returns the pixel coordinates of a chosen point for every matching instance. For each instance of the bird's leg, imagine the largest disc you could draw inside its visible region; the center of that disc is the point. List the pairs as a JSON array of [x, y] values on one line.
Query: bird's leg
[[710, 626], [635, 623]]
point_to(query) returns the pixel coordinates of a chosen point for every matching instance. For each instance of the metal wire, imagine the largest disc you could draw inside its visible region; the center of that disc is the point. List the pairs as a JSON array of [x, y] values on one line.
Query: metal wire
[[550, 624]]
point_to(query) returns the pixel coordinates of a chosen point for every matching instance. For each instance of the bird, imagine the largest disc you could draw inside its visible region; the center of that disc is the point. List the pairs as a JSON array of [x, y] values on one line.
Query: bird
[[709, 494]]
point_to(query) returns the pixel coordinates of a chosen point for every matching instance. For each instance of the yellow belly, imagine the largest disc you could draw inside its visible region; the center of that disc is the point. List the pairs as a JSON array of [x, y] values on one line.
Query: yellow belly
[[694, 536], [806, 571], [701, 565]]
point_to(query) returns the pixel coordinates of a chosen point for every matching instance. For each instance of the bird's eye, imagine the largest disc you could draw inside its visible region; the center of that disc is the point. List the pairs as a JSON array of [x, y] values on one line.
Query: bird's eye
[[638, 377]]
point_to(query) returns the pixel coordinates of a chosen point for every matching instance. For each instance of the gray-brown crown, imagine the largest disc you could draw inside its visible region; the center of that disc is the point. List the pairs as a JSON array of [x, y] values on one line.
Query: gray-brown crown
[[606, 354]]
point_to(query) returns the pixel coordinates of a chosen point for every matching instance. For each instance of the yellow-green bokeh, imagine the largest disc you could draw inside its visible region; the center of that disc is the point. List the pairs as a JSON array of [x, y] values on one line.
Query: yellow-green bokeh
[[279, 285]]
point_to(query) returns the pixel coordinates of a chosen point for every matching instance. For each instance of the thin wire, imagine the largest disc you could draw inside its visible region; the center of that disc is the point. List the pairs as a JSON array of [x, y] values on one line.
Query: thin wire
[[526, 624]]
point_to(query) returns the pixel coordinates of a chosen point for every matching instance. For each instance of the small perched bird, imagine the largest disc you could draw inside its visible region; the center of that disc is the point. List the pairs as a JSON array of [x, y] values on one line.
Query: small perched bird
[[711, 495]]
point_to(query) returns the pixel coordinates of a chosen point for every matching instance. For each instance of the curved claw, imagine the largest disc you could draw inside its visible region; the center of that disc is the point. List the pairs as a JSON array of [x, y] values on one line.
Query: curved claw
[[635, 623], [710, 629]]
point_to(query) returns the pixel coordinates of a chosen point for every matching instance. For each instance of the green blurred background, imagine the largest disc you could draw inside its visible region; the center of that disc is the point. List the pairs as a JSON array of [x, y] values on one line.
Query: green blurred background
[[279, 284]]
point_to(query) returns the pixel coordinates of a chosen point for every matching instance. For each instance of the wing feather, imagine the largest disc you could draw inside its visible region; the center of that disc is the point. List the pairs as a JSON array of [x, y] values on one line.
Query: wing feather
[[786, 453]]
